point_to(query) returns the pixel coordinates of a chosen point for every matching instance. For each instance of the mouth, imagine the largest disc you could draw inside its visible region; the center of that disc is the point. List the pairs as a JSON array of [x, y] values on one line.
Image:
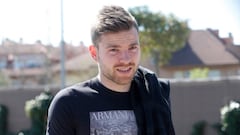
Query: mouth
[[124, 69]]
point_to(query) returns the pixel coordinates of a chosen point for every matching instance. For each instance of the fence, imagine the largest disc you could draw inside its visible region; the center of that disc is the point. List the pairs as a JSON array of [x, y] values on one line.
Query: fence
[[191, 102]]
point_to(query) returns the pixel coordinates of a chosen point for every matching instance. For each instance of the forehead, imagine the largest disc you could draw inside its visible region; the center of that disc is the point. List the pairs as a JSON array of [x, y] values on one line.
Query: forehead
[[125, 37]]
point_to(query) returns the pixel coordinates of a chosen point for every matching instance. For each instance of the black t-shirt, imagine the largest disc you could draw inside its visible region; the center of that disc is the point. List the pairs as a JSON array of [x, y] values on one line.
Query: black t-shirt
[[89, 108]]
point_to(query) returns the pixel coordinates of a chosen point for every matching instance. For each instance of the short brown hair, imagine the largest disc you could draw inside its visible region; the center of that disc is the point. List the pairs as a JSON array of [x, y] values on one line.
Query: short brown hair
[[111, 19]]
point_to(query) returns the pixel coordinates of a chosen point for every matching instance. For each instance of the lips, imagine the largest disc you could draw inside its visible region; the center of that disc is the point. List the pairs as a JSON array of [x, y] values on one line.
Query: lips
[[124, 69]]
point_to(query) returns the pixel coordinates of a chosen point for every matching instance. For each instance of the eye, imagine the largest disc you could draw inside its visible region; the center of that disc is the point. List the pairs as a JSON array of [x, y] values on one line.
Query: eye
[[113, 50], [133, 48]]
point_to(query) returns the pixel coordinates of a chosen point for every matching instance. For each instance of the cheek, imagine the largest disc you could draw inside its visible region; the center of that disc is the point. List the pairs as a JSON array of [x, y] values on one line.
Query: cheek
[[103, 57]]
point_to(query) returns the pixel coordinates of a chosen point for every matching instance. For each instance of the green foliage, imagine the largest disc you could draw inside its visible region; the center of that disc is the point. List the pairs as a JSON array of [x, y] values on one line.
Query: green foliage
[[36, 109], [230, 116], [160, 35], [197, 73], [199, 128], [3, 119]]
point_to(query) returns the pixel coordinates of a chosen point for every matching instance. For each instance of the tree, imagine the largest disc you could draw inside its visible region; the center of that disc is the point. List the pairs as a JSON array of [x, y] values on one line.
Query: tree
[[160, 35]]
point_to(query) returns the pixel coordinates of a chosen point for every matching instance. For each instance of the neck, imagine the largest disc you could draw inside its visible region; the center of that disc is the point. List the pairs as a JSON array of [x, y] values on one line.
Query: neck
[[113, 85]]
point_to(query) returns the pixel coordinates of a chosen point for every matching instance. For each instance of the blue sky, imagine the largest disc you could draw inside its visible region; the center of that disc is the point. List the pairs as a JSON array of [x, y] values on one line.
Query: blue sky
[[34, 20]]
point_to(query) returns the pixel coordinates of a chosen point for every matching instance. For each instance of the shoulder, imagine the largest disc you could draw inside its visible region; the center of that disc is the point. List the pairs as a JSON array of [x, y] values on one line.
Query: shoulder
[[75, 92], [150, 76], [165, 83]]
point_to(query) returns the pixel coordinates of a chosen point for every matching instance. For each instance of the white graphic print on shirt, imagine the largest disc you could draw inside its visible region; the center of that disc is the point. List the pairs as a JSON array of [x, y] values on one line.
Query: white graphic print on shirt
[[120, 122]]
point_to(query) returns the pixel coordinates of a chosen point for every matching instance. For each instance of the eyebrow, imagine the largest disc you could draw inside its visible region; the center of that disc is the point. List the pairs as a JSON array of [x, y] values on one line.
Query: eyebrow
[[112, 46], [117, 46]]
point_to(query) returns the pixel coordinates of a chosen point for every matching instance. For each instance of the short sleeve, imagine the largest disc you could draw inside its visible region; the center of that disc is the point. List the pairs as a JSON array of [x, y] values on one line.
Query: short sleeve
[[60, 116]]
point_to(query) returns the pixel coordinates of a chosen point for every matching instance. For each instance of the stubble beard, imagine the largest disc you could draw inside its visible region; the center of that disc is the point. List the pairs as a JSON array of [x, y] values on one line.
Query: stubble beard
[[121, 79]]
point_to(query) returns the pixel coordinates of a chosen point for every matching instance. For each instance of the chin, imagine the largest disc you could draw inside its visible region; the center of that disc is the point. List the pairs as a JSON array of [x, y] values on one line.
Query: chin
[[124, 80]]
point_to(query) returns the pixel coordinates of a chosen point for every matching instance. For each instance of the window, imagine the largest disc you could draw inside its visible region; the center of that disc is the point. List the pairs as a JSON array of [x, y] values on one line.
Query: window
[[181, 74], [178, 75], [33, 63], [214, 73]]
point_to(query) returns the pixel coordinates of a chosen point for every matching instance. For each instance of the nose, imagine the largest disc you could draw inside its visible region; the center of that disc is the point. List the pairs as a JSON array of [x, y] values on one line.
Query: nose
[[125, 56]]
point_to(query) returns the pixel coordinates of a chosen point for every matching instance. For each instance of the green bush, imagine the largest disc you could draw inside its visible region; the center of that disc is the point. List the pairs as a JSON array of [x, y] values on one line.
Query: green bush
[[36, 109], [230, 118], [3, 119], [199, 128]]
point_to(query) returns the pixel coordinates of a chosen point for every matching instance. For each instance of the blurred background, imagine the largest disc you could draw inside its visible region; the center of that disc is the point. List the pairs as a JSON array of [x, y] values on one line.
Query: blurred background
[[194, 44]]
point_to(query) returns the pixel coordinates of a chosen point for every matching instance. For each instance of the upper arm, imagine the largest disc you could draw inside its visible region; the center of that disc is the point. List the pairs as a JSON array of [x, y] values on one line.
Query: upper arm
[[60, 117]]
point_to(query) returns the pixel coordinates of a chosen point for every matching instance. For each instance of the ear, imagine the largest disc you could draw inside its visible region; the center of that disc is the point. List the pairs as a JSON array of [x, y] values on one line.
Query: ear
[[93, 52]]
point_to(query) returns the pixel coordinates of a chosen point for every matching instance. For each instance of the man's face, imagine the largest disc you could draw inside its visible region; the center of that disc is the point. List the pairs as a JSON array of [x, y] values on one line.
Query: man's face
[[118, 56]]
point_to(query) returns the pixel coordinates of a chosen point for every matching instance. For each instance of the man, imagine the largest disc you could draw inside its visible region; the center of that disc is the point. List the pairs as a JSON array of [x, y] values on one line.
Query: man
[[124, 98]]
